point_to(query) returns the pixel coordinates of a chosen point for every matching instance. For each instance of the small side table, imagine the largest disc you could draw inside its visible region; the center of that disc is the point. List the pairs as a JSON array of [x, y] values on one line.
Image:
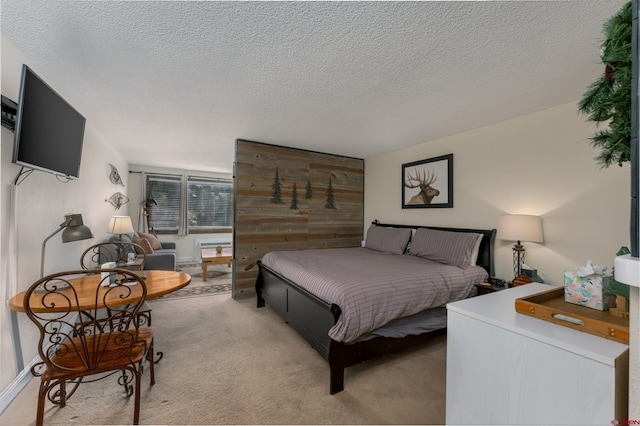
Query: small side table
[[211, 257], [136, 265], [486, 288]]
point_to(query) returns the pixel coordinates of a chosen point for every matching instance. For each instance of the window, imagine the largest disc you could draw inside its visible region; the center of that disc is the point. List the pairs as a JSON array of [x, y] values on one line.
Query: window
[[166, 191], [189, 205], [208, 205]]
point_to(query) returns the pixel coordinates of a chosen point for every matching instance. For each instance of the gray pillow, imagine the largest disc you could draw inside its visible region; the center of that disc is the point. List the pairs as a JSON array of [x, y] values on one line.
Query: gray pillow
[[390, 240], [450, 248]]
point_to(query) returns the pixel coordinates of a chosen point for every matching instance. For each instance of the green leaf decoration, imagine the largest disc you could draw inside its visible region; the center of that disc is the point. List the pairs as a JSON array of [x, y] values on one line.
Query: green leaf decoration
[[615, 287], [608, 99]]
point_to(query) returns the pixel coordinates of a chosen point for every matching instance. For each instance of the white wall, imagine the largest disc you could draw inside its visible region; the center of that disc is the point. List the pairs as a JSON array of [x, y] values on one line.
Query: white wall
[[540, 164], [41, 203]]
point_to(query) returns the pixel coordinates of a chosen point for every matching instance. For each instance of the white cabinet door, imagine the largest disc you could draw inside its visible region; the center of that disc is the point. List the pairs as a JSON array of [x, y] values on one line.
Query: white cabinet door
[[496, 375]]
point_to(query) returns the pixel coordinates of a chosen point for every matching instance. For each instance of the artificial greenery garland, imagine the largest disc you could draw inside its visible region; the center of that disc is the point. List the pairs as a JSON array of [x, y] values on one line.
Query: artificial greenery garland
[[609, 97]]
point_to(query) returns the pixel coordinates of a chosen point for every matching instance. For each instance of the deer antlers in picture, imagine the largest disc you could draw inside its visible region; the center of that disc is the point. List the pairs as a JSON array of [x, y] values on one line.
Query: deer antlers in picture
[[424, 182]]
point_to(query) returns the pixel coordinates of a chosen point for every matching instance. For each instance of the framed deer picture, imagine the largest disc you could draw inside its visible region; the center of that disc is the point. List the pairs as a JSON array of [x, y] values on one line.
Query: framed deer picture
[[428, 183]]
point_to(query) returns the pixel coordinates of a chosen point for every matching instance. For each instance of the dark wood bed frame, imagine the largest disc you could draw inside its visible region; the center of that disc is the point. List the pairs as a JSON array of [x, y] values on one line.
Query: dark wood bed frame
[[313, 317]]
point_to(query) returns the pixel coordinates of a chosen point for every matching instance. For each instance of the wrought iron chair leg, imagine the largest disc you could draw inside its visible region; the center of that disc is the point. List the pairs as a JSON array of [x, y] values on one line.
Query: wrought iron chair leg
[[42, 393], [75, 383], [63, 393], [146, 317], [152, 373], [125, 380], [136, 405]]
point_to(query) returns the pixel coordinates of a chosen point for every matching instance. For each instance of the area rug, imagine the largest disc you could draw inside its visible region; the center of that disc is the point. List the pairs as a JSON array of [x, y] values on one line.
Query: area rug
[[218, 281], [205, 290], [196, 273]]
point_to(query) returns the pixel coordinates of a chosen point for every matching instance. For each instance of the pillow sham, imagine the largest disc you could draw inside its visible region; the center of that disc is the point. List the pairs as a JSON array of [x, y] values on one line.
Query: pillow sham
[[475, 252], [146, 246], [390, 240], [450, 248], [139, 241]]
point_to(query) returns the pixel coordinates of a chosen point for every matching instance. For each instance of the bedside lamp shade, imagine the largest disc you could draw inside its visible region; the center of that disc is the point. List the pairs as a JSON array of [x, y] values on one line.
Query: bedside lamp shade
[[120, 225], [519, 227]]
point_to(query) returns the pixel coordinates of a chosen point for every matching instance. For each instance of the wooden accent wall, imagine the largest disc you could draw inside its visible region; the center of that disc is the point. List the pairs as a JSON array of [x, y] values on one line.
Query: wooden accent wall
[[261, 225]]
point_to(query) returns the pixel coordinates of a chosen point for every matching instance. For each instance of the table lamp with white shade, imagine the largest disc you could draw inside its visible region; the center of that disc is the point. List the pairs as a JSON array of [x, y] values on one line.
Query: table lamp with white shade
[[120, 225], [519, 227]]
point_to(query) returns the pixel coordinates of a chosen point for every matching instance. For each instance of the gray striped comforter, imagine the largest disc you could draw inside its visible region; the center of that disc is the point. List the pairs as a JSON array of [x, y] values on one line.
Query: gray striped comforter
[[373, 287]]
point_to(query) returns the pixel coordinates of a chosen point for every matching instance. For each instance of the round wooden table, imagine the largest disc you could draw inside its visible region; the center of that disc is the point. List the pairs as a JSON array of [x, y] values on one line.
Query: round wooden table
[[158, 283]]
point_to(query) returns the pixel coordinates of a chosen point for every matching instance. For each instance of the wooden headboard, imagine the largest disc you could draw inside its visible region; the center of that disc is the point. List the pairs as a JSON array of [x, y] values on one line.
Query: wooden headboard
[[485, 255]]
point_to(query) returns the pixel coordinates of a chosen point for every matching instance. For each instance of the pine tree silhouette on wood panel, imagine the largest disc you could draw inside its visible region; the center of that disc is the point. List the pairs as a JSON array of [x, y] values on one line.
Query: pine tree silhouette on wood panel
[[294, 197], [276, 197], [330, 204], [308, 193]]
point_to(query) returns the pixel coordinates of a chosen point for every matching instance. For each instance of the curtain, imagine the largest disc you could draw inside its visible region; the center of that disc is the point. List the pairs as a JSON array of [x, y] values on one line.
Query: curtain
[[143, 223]]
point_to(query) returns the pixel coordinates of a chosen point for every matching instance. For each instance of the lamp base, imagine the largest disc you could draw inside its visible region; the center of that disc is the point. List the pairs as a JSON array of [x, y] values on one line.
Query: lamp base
[[518, 259]]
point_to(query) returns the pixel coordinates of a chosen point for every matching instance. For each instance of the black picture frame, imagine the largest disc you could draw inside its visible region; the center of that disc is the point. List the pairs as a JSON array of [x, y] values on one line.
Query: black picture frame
[[418, 176]]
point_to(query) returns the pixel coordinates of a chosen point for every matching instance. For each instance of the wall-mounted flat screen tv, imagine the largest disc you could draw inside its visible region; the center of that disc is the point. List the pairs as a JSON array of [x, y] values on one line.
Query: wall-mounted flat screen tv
[[49, 132]]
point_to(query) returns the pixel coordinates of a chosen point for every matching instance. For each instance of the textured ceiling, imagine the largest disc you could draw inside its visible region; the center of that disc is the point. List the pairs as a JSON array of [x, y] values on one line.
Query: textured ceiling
[[175, 83]]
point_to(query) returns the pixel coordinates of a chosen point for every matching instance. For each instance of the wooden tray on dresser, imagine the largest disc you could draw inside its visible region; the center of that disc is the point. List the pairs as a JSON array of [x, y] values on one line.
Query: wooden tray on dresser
[[550, 306]]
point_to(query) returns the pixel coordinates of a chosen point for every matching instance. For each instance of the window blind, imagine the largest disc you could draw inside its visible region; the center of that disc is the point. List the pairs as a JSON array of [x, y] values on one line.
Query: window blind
[[209, 204], [204, 204], [166, 191]]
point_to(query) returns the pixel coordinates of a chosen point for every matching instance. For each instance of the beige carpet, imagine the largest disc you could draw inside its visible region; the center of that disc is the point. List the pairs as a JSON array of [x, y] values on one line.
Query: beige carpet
[[227, 362]]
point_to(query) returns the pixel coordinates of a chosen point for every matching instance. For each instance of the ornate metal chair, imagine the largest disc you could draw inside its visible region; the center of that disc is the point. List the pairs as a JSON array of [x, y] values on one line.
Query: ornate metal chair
[[98, 345], [119, 252]]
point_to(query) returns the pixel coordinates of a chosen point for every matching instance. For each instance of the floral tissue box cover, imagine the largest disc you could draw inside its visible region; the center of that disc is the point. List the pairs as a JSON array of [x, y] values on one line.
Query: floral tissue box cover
[[589, 291]]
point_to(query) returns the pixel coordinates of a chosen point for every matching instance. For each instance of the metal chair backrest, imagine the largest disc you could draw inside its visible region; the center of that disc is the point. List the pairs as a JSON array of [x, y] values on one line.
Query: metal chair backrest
[[56, 302], [113, 251]]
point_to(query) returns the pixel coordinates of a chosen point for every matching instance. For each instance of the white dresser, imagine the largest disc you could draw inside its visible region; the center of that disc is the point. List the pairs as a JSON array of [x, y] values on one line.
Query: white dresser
[[508, 368]]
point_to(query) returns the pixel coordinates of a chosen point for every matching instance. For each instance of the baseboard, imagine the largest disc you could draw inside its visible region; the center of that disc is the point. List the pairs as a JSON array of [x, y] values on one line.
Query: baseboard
[[9, 393]]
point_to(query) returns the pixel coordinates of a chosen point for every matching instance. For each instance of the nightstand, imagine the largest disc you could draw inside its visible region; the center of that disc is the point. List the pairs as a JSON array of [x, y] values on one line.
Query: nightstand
[[485, 288]]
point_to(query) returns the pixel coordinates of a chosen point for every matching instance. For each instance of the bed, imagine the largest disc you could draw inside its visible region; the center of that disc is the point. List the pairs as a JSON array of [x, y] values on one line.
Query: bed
[[354, 304]]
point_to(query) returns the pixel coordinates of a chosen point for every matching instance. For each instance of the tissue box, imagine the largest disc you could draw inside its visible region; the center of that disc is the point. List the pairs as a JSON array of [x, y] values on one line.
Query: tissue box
[[589, 291], [105, 275]]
